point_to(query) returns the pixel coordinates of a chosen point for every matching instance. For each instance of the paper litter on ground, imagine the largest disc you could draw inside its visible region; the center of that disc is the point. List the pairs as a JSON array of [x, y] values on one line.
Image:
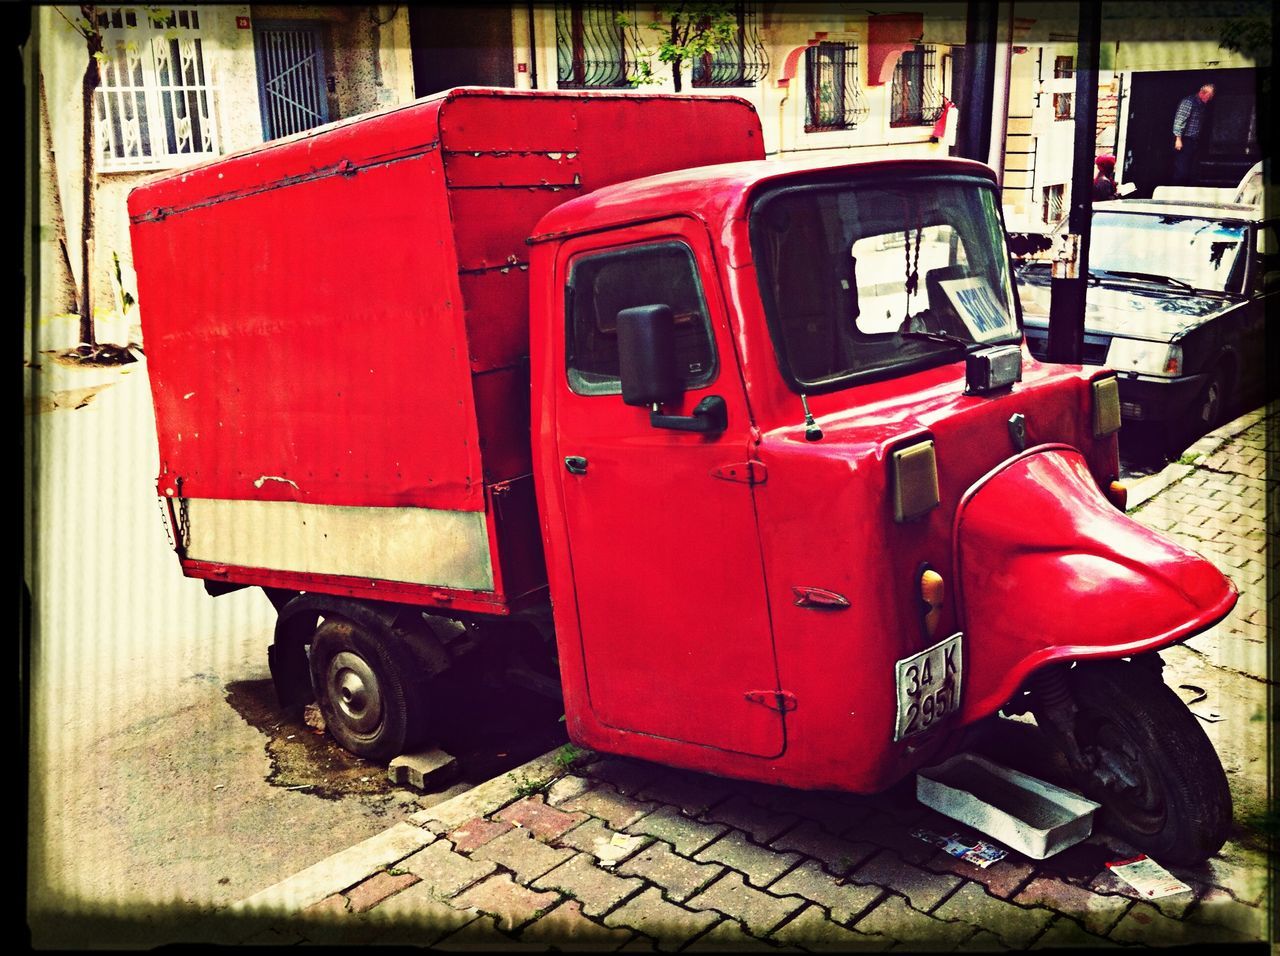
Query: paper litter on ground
[[1148, 877], [979, 852]]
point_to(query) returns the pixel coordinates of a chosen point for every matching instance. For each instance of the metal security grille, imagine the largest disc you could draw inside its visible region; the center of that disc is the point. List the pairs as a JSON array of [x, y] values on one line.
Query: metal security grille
[[155, 102], [740, 62], [834, 100], [1063, 69], [916, 93], [290, 78], [1052, 208], [591, 47]]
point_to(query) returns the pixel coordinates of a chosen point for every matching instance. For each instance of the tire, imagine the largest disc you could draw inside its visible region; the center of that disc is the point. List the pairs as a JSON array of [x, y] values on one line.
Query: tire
[[372, 704], [1176, 805], [1208, 411]]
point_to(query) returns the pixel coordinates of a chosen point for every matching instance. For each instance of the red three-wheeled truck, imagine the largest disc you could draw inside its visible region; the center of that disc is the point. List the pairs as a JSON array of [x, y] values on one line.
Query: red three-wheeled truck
[[744, 458]]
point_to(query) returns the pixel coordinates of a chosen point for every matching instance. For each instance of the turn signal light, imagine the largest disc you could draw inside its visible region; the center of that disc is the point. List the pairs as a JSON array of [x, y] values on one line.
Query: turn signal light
[[1106, 406], [915, 481], [1118, 493], [932, 593]]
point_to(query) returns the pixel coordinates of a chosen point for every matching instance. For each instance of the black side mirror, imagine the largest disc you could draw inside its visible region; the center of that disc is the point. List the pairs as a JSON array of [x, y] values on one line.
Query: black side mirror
[[647, 355]]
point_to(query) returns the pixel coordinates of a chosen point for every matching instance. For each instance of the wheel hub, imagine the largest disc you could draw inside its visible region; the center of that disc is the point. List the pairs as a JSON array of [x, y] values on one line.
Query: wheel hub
[[1120, 770], [353, 690]]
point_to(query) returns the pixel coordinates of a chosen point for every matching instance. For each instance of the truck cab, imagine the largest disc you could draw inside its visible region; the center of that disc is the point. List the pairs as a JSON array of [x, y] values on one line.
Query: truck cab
[[739, 570]]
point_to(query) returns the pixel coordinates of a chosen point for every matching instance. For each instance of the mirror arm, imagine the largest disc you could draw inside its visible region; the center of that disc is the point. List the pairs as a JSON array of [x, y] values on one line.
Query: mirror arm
[[710, 416]]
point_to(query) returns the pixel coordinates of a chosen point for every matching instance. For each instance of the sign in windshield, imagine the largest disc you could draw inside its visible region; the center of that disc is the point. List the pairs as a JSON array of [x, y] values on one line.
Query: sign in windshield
[[867, 278], [1200, 253]]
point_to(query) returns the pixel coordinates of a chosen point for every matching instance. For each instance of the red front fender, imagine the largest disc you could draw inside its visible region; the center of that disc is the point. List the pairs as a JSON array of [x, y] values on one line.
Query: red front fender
[[1049, 570]]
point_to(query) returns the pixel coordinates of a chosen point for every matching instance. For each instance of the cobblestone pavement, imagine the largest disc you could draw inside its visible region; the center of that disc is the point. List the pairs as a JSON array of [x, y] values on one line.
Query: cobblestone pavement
[[622, 855]]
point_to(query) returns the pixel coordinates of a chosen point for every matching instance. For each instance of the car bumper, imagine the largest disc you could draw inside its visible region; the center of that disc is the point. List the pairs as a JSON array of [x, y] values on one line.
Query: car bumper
[[1148, 398]]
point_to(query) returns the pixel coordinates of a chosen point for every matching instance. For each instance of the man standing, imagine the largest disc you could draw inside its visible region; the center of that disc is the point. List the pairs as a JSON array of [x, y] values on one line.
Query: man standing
[[1187, 125]]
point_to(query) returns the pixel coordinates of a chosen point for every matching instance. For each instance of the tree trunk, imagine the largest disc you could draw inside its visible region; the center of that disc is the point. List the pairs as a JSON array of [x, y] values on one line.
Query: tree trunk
[[676, 41], [88, 89]]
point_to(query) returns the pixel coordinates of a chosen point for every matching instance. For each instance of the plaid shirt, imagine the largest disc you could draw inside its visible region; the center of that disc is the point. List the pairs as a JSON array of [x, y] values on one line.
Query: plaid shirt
[[1186, 122]]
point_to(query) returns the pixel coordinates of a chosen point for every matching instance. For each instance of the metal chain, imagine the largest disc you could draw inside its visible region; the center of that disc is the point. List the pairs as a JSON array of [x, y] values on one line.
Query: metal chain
[[913, 280], [184, 521], [913, 268], [164, 518]]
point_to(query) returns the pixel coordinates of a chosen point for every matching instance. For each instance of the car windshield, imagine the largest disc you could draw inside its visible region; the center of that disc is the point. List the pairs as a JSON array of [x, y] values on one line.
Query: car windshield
[[1202, 253], [868, 279]]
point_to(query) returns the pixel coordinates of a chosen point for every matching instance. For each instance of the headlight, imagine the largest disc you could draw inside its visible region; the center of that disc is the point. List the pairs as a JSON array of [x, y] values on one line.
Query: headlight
[[1152, 358]]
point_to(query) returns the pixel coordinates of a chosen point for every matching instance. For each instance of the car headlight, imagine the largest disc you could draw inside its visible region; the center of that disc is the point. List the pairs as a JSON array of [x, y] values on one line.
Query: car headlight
[[1151, 358]]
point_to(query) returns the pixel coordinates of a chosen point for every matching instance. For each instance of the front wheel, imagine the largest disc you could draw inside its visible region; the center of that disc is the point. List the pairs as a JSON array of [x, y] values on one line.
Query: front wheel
[[371, 703], [1206, 413], [1154, 771]]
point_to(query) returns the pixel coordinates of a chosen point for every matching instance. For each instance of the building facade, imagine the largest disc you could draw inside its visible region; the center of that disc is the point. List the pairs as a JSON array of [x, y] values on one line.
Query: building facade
[[183, 84], [178, 86], [1150, 56]]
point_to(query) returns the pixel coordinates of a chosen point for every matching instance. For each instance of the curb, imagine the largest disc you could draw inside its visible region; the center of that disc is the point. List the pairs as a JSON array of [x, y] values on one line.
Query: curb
[[353, 864], [1146, 488]]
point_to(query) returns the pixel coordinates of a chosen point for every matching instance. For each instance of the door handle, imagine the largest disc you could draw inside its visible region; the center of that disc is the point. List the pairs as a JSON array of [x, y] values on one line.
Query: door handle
[[576, 464]]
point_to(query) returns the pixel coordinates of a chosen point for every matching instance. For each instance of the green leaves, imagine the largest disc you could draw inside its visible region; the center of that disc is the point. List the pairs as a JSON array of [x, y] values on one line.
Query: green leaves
[[1249, 36], [683, 31]]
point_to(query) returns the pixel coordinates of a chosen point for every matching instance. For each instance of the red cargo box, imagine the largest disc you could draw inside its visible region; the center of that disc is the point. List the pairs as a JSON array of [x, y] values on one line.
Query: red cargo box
[[337, 328]]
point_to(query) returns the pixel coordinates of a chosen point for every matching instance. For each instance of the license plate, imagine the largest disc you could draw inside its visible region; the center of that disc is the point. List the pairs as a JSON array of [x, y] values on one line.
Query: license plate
[[928, 687]]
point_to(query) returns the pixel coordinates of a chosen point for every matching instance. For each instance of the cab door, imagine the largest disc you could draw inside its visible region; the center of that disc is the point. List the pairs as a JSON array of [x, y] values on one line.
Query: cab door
[[666, 567]]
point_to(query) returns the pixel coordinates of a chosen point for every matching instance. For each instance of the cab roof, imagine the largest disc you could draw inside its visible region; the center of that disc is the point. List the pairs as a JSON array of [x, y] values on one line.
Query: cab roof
[[718, 193]]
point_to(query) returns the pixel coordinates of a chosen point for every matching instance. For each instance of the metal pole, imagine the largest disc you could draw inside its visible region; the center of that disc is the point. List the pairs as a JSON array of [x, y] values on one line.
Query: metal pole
[[533, 49], [1067, 291], [973, 140]]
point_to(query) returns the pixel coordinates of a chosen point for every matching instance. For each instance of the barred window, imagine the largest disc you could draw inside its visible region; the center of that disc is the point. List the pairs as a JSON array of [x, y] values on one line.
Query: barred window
[[291, 83], [740, 62], [592, 50], [1063, 69], [154, 106], [916, 93], [834, 98], [1052, 205]]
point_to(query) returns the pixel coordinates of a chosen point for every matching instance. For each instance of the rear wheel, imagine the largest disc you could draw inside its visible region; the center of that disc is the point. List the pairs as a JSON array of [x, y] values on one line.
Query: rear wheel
[[371, 702], [1155, 773]]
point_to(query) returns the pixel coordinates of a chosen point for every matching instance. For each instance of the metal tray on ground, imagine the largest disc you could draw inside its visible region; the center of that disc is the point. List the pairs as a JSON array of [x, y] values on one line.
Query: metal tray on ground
[[1026, 814]]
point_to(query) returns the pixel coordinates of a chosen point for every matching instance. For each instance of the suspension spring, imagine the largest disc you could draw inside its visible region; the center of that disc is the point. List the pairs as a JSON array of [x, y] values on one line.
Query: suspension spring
[[1049, 688]]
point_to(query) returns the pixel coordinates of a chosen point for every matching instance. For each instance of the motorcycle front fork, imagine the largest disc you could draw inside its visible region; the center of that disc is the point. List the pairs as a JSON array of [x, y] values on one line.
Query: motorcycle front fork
[[1048, 698]]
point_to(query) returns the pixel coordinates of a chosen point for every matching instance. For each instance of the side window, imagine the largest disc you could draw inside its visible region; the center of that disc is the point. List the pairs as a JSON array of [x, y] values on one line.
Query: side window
[[600, 286]]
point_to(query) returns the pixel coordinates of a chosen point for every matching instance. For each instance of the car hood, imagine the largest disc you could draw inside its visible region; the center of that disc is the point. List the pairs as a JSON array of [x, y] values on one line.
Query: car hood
[[1136, 313]]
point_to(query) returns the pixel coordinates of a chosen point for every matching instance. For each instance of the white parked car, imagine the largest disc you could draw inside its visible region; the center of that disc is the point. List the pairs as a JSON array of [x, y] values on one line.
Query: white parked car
[[1175, 305]]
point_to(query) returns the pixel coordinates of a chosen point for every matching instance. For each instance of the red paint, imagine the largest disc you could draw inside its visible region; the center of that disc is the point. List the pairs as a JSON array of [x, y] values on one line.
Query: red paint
[[823, 518], [889, 35], [663, 559], [362, 291], [792, 60], [359, 323], [1032, 573]]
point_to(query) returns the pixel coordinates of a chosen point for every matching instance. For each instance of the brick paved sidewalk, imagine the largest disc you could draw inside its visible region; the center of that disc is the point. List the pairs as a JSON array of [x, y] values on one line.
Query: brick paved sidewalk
[[615, 854]]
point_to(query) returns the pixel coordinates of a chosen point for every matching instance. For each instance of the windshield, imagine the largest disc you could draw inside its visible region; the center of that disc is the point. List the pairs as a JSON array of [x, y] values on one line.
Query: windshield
[[868, 279], [1203, 253]]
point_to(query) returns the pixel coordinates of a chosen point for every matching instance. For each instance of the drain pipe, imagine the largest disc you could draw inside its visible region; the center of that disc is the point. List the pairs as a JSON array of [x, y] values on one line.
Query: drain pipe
[[533, 48], [782, 125]]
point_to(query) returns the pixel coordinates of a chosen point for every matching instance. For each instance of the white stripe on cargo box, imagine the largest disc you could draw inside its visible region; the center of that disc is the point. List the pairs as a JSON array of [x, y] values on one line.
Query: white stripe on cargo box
[[414, 545]]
